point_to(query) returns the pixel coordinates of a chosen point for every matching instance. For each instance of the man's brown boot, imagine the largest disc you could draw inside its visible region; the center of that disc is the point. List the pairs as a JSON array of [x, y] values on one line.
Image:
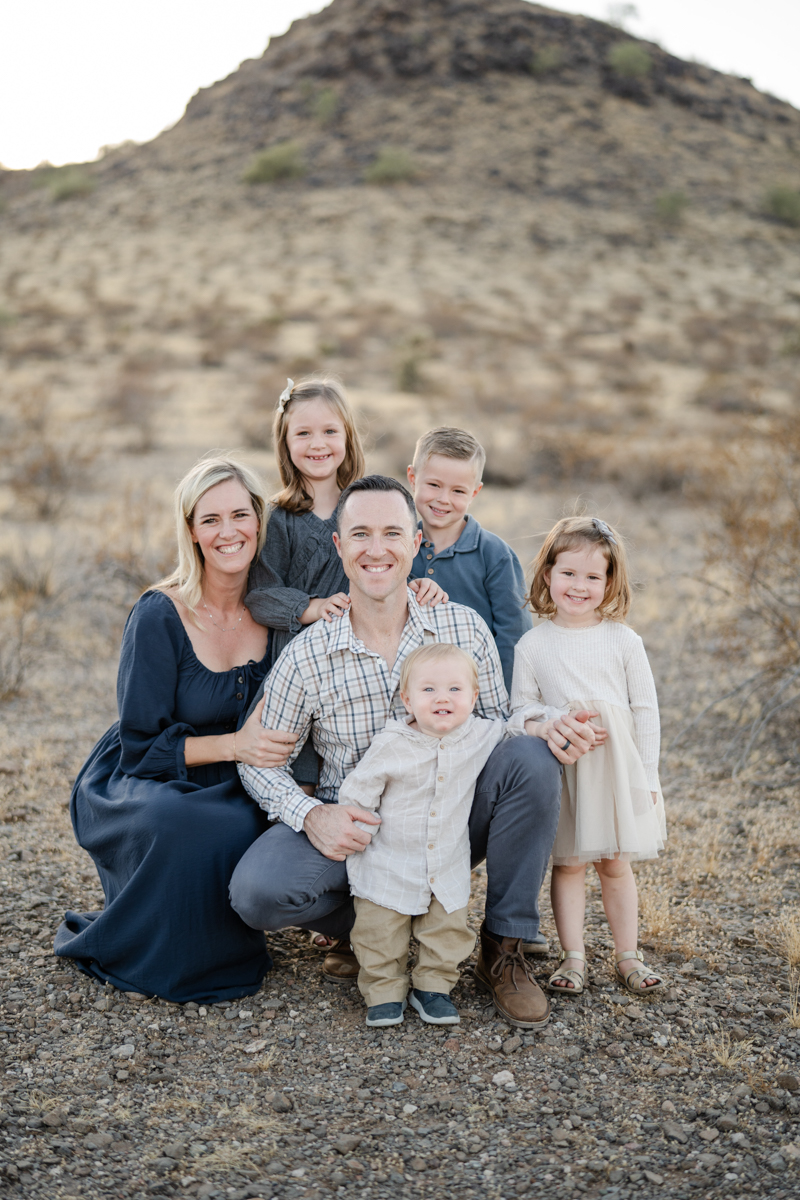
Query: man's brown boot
[[340, 965], [503, 970]]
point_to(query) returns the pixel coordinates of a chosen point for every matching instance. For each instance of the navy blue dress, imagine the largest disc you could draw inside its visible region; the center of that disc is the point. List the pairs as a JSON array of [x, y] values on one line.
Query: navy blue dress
[[165, 837]]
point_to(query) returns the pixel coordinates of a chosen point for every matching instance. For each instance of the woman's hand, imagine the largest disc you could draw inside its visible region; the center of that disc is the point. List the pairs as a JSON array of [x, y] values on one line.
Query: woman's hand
[[428, 592], [325, 608], [260, 747]]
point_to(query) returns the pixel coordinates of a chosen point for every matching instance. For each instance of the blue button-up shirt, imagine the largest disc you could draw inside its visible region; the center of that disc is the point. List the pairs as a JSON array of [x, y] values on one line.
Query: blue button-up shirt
[[483, 572]]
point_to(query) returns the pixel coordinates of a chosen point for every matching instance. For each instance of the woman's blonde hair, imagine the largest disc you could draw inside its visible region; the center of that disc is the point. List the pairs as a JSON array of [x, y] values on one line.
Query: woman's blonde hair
[[187, 578], [574, 533], [293, 496]]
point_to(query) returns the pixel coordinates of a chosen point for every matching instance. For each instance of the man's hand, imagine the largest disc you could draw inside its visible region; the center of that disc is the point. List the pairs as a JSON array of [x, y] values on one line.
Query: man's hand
[[260, 747], [331, 829], [570, 737]]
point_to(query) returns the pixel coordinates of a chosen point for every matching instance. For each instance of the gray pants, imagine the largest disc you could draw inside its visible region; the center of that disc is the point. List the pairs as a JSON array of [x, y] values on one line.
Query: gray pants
[[282, 880]]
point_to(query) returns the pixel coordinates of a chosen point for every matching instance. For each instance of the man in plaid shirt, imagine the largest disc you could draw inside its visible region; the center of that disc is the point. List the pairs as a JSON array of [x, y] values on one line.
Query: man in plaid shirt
[[339, 680]]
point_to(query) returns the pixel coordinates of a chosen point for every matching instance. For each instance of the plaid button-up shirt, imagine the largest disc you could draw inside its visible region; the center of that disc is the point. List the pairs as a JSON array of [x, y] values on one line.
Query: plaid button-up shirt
[[328, 682]]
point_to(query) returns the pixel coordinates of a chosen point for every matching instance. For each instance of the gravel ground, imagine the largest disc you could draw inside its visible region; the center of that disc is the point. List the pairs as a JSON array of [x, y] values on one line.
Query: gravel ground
[[288, 1094]]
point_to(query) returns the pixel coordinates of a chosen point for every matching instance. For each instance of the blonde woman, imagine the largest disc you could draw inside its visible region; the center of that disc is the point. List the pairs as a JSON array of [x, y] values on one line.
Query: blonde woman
[[158, 804]]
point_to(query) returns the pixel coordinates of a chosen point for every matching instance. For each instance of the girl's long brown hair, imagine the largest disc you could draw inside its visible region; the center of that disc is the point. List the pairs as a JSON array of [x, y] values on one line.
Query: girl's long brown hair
[[293, 495]]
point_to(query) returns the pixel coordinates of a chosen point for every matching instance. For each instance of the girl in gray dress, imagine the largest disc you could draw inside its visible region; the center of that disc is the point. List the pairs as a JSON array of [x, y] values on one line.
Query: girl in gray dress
[[299, 578]]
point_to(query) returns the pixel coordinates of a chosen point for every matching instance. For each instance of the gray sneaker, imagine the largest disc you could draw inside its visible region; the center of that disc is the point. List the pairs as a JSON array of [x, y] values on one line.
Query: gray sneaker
[[539, 945]]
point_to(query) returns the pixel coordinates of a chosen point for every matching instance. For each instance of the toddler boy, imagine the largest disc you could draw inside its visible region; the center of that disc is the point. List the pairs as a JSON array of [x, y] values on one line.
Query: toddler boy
[[414, 876], [475, 567]]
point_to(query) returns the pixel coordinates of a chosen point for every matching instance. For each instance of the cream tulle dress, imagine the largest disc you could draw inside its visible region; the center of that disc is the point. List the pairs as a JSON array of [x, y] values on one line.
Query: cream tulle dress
[[607, 809]]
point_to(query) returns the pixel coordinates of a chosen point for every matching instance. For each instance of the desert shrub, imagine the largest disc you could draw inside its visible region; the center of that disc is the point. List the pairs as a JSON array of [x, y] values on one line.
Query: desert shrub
[[67, 182], [26, 592], [629, 60], [282, 161], [791, 344], [40, 462], [393, 165], [670, 207], [325, 105], [546, 61], [752, 569], [783, 204], [131, 402]]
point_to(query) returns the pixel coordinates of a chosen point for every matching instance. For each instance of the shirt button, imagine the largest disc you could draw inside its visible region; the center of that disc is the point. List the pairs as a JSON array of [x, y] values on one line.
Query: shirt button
[[433, 814], [440, 778], [431, 879], [430, 570], [240, 696], [429, 556], [430, 845], [240, 678]]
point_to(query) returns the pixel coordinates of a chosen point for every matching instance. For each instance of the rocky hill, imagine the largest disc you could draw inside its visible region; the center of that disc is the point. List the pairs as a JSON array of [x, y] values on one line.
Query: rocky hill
[[488, 209]]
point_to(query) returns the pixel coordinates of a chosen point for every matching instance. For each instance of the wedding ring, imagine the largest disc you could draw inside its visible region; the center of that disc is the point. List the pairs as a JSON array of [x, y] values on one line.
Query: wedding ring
[[566, 745]]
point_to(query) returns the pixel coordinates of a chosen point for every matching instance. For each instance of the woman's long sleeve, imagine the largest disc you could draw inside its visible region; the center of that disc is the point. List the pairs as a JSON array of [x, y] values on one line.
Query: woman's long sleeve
[[269, 600], [152, 646]]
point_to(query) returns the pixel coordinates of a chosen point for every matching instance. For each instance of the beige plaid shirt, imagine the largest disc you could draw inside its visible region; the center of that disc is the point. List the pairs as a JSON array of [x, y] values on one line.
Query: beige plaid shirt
[[424, 787], [328, 682]]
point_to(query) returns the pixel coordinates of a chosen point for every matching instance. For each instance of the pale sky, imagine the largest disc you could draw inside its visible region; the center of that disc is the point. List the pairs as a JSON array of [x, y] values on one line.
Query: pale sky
[[78, 75]]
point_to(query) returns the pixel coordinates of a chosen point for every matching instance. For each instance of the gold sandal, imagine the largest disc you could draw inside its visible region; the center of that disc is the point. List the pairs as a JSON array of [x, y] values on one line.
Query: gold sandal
[[576, 978], [634, 978]]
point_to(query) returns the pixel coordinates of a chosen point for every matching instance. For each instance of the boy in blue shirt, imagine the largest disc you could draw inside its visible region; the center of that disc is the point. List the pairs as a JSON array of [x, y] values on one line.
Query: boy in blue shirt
[[475, 567]]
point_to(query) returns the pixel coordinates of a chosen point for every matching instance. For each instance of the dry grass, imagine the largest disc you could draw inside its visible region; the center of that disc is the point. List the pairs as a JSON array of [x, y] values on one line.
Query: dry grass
[[794, 1000], [784, 937], [729, 1055]]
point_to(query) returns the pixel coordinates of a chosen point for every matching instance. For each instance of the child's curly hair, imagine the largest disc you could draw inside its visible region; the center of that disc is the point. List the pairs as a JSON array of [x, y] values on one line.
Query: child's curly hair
[[575, 533]]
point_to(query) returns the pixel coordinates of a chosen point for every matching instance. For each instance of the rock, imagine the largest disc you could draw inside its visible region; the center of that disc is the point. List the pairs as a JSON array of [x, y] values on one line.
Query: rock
[[280, 1102], [126, 1050], [502, 1078], [162, 1165], [651, 1177], [137, 997], [346, 1143], [776, 1162], [276, 1167], [742, 1091], [339, 1178], [673, 1131], [55, 1118], [103, 1004], [634, 1012], [616, 1175], [452, 1044], [440, 1073], [418, 1164], [615, 1050], [123, 1075], [708, 1135], [790, 1083], [512, 1044], [255, 1047], [97, 1141], [668, 1107], [727, 1123], [739, 1033], [175, 1150], [709, 1160]]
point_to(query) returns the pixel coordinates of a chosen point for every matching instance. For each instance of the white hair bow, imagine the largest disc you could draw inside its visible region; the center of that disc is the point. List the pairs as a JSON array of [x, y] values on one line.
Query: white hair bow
[[604, 530], [285, 395]]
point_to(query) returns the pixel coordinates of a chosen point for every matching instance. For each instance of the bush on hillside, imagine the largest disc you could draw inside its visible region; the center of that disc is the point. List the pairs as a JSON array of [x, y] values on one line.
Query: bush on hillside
[[283, 161], [325, 105], [546, 61], [67, 182], [783, 204], [393, 165], [670, 207], [629, 60]]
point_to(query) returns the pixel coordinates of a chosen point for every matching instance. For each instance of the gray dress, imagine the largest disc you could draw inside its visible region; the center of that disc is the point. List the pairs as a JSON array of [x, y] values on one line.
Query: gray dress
[[298, 563]]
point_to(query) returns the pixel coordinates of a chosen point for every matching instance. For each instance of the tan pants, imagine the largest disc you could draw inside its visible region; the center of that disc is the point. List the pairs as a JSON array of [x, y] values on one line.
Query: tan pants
[[380, 939]]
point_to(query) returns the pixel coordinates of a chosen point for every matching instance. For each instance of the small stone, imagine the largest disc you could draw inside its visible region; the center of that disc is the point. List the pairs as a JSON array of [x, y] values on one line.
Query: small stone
[[298, 1173], [338, 1177], [502, 1078], [452, 1044], [776, 1162], [708, 1135], [651, 1177], [742, 1091], [418, 1164], [103, 1004], [163, 1165], [709, 1160], [123, 1075], [739, 1033], [126, 1050], [175, 1150], [789, 1082], [615, 1050], [673, 1131], [255, 1047], [616, 1175], [346, 1143], [634, 1012], [97, 1141], [408, 1109], [276, 1167], [55, 1118], [137, 997], [512, 1044], [668, 1107], [727, 1123], [280, 1102]]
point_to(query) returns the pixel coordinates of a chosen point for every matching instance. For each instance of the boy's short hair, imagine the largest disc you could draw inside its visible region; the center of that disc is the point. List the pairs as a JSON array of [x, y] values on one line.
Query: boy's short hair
[[438, 651], [450, 443]]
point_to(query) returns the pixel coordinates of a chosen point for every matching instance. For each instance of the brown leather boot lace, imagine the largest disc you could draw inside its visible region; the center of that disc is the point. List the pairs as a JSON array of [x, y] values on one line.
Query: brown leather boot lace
[[513, 959]]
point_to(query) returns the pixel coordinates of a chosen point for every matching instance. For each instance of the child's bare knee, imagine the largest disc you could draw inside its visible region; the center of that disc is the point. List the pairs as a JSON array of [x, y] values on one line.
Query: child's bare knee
[[612, 868], [564, 871]]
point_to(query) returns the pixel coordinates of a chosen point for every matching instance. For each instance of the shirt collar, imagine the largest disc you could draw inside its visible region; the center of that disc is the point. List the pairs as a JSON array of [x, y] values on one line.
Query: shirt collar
[[342, 636], [467, 541]]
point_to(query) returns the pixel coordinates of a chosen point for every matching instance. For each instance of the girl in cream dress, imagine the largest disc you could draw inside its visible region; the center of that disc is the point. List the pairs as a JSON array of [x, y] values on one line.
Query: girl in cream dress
[[587, 662]]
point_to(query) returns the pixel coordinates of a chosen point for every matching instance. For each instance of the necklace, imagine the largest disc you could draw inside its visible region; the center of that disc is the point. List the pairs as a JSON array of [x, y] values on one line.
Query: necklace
[[221, 628]]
